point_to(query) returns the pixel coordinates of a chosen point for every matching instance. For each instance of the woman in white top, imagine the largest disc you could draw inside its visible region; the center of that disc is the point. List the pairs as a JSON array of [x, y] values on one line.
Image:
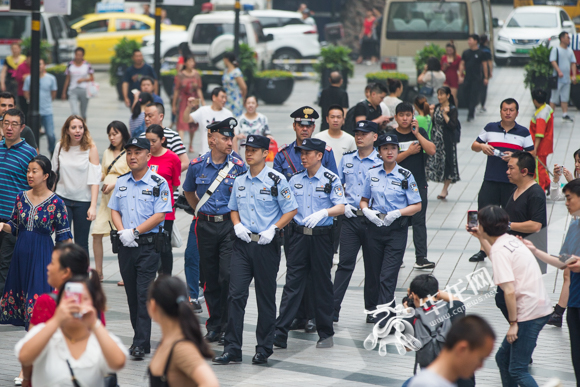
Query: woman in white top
[[251, 122], [76, 162], [555, 186], [78, 74], [392, 100], [70, 351], [432, 77]]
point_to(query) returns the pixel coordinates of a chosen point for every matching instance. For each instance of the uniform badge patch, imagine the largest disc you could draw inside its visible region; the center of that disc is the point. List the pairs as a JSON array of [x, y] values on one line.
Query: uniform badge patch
[[145, 192], [165, 195], [374, 179], [349, 165], [285, 193], [265, 191], [396, 183], [319, 189], [241, 188], [299, 186], [338, 190], [122, 188], [414, 187]]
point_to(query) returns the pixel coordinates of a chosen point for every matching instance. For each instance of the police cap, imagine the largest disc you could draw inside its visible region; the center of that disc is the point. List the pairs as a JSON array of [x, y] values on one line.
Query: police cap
[[225, 127], [314, 144], [305, 115], [257, 141], [385, 139], [139, 142], [366, 126]]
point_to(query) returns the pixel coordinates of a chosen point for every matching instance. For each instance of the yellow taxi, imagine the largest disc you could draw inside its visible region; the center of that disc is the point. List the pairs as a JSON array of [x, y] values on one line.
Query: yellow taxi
[[98, 33]]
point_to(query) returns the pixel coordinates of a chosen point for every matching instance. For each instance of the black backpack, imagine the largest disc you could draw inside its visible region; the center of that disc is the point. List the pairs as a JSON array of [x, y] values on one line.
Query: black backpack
[[350, 119]]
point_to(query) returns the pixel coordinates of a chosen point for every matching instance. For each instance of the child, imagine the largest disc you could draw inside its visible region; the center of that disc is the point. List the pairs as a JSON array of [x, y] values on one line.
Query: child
[[542, 131]]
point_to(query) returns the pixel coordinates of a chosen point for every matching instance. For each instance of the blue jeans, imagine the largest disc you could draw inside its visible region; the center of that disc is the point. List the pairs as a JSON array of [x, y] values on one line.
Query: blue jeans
[[192, 262], [513, 359], [48, 123]]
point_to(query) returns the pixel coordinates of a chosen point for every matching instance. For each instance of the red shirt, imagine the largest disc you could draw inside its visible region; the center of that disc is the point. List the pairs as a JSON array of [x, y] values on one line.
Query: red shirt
[[45, 307], [19, 74], [167, 166], [542, 126]]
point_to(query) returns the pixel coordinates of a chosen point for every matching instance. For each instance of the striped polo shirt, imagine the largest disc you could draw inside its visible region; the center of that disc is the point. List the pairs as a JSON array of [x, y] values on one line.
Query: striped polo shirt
[[13, 167], [516, 139]]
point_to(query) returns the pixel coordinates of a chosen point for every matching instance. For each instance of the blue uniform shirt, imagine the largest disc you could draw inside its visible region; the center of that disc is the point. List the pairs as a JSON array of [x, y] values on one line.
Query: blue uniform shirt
[[252, 198], [202, 172], [385, 191], [134, 199], [352, 171], [571, 246], [310, 195], [282, 165]]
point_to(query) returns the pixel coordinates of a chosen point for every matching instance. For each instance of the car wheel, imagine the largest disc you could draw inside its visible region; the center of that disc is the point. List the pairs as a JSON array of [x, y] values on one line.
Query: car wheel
[[287, 53], [500, 61], [172, 52]]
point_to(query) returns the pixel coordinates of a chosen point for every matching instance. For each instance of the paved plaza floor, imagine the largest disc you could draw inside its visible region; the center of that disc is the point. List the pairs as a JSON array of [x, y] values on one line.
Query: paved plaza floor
[[348, 363]]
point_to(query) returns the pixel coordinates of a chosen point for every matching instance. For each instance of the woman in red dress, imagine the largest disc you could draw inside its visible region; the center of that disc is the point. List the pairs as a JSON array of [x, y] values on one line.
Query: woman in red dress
[[367, 39], [450, 66]]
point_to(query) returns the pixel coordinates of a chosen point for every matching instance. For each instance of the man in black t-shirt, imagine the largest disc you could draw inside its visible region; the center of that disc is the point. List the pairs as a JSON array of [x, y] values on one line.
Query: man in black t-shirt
[[370, 109], [472, 74], [333, 95], [133, 75], [412, 141]]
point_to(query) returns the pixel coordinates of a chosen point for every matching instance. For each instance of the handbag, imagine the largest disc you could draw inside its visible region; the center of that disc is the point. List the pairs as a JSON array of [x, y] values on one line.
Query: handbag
[[92, 90], [427, 91], [176, 240]]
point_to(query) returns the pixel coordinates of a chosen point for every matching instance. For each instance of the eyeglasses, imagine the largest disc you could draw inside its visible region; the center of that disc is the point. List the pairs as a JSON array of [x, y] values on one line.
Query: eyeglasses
[[8, 124]]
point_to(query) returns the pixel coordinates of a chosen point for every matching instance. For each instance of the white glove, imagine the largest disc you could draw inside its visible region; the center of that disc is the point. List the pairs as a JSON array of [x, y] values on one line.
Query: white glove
[[267, 235], [133, 244], [391, 217], [348, 211], [372, 216], [127, 237], [312, 220], [242, 232]]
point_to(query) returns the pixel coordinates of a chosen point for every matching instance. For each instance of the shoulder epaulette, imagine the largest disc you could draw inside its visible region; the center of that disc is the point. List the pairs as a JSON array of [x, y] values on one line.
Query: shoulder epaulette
[[274, 177], [404, 172], [280, 149], [125, 173], [197, 160], [243, 173], [298, 172], [350, 152], [237, 161], [375, 166], [328, 148]]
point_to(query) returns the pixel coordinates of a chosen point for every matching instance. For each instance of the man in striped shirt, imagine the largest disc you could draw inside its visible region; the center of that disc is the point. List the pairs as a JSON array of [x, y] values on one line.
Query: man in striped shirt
[[15, 154], [498, 141]]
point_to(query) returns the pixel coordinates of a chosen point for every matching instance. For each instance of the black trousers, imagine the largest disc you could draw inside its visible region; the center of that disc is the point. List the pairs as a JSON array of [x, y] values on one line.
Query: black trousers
[[260, 262], [138, 266], [472, 92], [386, 248], [7, 243], [353, 237], [214, 243], [419, 223], [308, 254], [493, 192], [573, 320], [167, 258]]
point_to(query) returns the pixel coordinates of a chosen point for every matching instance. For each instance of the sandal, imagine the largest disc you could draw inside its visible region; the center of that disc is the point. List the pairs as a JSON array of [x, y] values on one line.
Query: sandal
[[440, 197], [120, 283]]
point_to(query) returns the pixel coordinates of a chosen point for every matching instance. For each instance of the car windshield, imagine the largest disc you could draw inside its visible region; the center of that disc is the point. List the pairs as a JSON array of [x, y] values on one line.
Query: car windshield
[[14, 27], [426, 19], [533, 20]]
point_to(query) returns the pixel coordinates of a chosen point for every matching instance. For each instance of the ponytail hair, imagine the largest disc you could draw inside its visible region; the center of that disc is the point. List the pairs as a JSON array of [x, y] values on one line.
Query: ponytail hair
[[421, 104], [46, 167], [159, 132], [447, 91], [93, 284], [170, 294], [144, 99], [393, 85]]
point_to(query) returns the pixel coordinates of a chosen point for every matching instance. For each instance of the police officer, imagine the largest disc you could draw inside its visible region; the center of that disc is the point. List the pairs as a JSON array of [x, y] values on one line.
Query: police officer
[[352, 170], [138, 207], [320, 197], [287, 162], [392, 193], [207, 187], [262, 204]]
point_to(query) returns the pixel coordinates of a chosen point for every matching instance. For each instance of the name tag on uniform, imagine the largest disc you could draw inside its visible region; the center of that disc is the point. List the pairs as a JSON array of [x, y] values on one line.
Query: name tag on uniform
[[265, 191], [374, 178], [145, 192], [299, 186], [396, 183], [319, 189], [122, 188]]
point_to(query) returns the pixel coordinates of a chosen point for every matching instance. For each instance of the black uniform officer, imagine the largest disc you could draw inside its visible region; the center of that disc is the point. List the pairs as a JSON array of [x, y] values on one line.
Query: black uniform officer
[[320, 197], [392, 193], [262, 204], [214, 225], [138, 207]]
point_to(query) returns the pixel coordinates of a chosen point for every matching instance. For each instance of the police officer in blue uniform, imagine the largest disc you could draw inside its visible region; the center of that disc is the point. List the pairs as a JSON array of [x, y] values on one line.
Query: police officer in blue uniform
[[320, 197], [287, 162], [207, 187], [138, 206], [352, 170], [389, 196], [262, 204]]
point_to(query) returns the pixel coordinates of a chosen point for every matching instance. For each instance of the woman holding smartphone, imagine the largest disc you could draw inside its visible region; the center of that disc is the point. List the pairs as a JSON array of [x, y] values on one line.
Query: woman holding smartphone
[[37, 213]]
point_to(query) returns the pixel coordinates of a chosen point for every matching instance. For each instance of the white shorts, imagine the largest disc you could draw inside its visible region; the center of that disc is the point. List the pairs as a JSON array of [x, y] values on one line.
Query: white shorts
[[561, 94]]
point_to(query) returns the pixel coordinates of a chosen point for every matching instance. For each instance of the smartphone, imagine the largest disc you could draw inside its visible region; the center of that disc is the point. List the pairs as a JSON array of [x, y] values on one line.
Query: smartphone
[[567, 259], [472, 219], [135, 91], [498, 153], [74, 290]]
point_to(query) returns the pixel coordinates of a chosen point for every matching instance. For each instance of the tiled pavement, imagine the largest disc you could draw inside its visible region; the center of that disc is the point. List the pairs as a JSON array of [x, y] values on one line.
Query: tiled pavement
[[348, 363]]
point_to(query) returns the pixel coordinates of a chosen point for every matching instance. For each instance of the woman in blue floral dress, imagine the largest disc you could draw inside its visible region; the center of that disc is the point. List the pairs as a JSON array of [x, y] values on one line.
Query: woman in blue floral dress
[[36, 215], [234, 85]]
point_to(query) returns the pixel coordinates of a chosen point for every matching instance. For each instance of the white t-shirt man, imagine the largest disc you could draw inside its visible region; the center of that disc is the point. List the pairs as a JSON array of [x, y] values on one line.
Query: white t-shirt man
[[340, 146], [514, 262], [204, 116]]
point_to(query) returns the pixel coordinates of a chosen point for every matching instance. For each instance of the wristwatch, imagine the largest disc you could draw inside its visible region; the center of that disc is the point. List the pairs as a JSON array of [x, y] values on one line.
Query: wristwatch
[[509, 226], [136, 233]]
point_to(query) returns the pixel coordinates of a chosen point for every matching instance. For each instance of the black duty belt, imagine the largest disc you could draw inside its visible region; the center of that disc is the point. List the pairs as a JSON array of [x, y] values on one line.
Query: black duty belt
[[320, 230], [213, 218], [358, 212], [146, 239]]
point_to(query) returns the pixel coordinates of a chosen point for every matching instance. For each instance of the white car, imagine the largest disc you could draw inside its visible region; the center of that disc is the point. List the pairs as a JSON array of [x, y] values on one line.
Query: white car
[[293, 39], [528, 27]]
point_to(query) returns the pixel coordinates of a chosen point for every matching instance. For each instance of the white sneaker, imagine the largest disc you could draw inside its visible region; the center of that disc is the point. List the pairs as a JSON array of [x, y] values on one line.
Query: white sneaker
[[335, 260], [18, 381], [553, 383], [200, 297]]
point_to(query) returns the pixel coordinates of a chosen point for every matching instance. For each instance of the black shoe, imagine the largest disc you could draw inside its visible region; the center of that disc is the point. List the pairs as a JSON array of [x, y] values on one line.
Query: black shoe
[[138, 353], [259, 358], [280, 342], [222, 339], [226, 358], [196, 306], [469, 119], [132, 347], [423, 263], [325, 343], [310, 326], [478, 257], [555, 320], [371, 319], [297, 324], [212, 336]]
